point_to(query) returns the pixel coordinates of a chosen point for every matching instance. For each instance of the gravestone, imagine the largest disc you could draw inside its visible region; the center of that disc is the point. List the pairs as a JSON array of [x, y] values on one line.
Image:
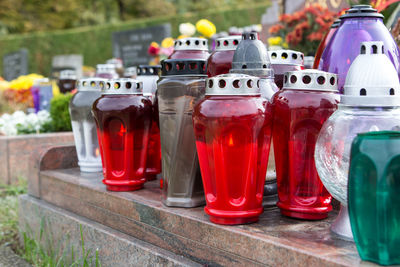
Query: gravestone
[[333, 5], [131, 46], [66, 62], [15, 64]]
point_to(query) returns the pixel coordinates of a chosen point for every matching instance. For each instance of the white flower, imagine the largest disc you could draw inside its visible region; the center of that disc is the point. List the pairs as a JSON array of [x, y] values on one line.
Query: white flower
[[187, 29]]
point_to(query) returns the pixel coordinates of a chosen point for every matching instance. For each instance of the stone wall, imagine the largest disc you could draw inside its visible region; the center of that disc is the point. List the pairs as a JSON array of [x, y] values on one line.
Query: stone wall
[[16, 153]]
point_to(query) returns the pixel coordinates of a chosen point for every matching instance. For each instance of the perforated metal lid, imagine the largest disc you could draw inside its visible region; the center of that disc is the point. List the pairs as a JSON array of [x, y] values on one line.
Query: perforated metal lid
[[251, 57], [287, 57], [372, 79], [105, 68], [117, 62], [91, 84], [180, 67], [361, 11], [191, 44], [227, 43], [148, 70], [311, 79], [67, 75], [233, 84], [130, 71], [123, 86]]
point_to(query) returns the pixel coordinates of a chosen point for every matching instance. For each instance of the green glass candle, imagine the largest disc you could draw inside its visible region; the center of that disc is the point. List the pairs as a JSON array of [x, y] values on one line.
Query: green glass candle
[[374, 196]]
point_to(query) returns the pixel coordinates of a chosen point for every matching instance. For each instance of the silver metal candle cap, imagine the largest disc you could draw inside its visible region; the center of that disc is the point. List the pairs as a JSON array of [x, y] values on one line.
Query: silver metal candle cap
[[67, 75], [287, 57], [130, 71], [91, 84], [227, 43], [310, 79], [233, 84], [372, 79], [123, 86], [191, 44], [105, 68], [251, 57]]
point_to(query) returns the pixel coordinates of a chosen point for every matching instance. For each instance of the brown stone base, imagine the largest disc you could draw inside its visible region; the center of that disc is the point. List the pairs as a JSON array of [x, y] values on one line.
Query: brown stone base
[[62, 231]]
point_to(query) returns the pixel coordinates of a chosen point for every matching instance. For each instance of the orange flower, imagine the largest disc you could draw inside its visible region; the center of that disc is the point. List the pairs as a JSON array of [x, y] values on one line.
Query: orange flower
[[276, 28]]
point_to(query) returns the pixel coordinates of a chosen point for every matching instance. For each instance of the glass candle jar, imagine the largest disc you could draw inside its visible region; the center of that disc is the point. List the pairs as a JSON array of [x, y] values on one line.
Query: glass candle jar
[[360, 23], [181, 86], [106, 71], [283, 61], [306, 101], [83, 124], [220, 61], [324, 42], [42, 93], [149, 76], [123, 117], [67, 81], [190, 48], [371, 102], [251, 58], [233, 133], [374, 196]]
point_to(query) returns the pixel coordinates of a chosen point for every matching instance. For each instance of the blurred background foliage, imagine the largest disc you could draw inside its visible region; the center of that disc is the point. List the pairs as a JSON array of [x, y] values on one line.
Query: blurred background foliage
[[21, 16]]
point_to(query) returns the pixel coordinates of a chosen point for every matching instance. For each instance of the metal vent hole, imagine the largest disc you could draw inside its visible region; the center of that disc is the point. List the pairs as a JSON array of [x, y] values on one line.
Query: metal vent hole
[[293, 79], [222, 83], [210, 83], [391, 91], [321, 80], [363, 49], [250, 83], [374, 49], [363, 91], [117, 85], [236, 83], [332, 80], [306, 79], [128, 85]]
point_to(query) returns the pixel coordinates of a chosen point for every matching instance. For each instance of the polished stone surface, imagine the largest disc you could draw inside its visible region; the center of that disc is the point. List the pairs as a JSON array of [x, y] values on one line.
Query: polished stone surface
[[275, 240]]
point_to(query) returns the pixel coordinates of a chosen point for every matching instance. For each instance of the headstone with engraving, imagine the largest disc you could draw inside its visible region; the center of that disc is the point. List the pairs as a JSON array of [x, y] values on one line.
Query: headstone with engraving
[[131, 46], [66, 62], [15, 64]]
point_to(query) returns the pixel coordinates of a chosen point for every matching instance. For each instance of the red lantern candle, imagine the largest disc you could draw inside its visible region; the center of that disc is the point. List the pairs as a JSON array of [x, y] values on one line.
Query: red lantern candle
[[306, 101], [190, 48], [233, 133], [149, 76], [123, 117], [283, 61], [220, 61]]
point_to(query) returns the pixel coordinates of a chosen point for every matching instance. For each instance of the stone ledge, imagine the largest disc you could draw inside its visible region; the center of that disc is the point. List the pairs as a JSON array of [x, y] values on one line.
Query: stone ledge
[[275, 240], [62, 228], [17, 152]]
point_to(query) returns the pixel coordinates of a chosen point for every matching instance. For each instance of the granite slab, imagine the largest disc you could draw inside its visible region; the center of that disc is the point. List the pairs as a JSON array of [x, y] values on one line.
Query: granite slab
[[273, 241], [61, 232]]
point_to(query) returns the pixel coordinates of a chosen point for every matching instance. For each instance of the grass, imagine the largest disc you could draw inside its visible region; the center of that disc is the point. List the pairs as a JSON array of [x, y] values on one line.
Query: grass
[[37, 250]]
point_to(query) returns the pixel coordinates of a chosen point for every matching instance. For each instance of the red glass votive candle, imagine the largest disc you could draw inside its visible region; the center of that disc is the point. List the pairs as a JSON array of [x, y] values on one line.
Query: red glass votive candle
[[283, 61], [306, 101], [220, 61], [123, 117], [190, 48], [233, 134]]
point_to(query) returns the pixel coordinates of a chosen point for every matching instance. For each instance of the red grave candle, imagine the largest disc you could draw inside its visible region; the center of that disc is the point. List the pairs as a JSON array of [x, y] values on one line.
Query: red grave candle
[[283, 61], [233, 133], [220, 61], [123, 117], [306, 101], [190, 48]]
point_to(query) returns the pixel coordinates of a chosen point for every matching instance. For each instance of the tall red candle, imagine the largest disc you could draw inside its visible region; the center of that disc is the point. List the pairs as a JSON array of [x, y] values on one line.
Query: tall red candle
[[190, 48], [233, 131], [306, 101], [123, 117], [220, 61]]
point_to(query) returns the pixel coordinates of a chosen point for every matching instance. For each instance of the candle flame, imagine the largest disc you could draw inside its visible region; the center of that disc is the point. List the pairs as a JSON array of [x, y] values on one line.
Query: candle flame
[[230, 143], [97, 152]]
